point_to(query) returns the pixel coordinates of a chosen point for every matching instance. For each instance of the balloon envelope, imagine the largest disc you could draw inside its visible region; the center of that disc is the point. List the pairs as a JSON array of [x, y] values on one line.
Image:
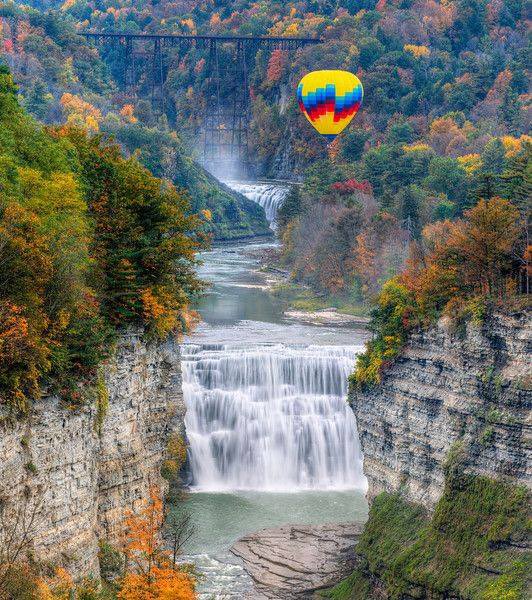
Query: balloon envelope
[[329, 100]]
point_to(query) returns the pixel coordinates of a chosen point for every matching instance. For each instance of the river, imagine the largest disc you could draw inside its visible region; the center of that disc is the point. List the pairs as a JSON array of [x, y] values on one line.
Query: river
[[272, 440]]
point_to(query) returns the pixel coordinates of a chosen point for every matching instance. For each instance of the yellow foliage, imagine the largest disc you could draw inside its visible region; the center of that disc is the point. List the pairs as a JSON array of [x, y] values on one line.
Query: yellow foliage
[[291, 30], [68, 75], [470, 162], [417, 51], [80, 113], [68, 4], [514, 145], [207, 214], [176, 455], [417, 147]]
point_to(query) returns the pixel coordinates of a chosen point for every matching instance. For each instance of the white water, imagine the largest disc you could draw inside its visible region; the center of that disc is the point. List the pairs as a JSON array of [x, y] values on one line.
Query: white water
[[270, 417], [266, 415], [269, 196]]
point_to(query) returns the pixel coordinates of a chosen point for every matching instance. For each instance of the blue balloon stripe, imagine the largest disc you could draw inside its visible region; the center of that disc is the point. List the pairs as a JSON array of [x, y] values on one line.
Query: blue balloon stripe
[[323, 95]]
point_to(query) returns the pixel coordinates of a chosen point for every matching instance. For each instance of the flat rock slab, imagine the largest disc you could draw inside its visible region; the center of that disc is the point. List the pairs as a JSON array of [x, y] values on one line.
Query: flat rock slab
[[326, 316], [294, 561]]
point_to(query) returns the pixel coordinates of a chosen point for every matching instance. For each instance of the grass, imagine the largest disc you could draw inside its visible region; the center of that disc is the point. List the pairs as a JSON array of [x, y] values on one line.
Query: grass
[[355, 587], [472, 547], [300, 298]]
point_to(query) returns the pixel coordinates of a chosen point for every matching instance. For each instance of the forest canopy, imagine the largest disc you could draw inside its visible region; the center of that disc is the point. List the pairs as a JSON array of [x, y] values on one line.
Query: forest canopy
[[89, 242]]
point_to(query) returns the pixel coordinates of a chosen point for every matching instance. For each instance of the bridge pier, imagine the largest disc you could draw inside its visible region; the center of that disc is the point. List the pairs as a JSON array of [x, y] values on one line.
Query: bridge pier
[[225, 126]]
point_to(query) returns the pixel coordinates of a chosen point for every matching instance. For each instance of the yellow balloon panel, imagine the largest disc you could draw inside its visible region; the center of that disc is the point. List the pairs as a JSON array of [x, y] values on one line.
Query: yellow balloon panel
[[330, 99]]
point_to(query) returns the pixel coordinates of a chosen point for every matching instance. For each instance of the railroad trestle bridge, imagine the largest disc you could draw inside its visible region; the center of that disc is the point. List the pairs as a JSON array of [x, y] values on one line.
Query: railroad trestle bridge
[[224, 125]]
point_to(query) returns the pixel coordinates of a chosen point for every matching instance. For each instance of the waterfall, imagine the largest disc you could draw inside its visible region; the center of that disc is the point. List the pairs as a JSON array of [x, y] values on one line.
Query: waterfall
[[269, 195], [270, 417]]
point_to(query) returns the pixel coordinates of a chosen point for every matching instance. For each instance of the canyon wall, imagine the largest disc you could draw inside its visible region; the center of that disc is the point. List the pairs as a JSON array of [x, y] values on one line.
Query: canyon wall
[[470, 385], [75, 474]]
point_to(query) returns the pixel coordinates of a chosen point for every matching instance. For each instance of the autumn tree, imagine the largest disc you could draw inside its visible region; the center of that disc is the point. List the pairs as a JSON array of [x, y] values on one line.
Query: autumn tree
[[151, 573], [144, 238], [483, 245]]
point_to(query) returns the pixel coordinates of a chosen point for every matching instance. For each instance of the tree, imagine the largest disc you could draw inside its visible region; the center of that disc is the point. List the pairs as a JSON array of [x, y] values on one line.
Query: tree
[[19, 523], [290, 208], [353, 143], [517, 180], [411, 202], [446, 176], [482, 247], [509, 110], [38, 100], [151, 574], [178, 529]]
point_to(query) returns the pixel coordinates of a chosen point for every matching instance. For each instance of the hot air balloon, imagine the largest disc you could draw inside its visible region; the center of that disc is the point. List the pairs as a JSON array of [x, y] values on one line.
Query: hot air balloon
[[329, 100]]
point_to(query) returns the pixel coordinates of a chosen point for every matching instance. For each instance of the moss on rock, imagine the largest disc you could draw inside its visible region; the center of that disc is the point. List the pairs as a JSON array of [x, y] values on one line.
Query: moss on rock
[[474, 546]]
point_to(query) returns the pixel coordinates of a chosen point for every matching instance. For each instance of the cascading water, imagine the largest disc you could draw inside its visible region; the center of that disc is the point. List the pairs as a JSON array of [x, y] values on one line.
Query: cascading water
[[270, 417], [270, 196], [266, 414]]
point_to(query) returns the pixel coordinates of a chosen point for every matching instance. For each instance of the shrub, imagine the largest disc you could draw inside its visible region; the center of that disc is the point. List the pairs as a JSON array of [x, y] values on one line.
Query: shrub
[[391, 320]]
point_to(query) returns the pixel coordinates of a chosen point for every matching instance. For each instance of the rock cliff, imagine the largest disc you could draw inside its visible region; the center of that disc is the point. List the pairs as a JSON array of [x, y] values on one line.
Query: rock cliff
[[471, 385], [78, 481]]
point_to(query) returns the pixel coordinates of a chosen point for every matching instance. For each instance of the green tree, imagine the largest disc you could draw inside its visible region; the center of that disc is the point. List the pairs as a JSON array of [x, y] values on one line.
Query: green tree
[[446, 176]]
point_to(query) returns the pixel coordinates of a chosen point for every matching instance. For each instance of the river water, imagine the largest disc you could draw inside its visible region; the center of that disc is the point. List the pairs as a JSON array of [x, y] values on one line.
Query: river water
[[272, 440]]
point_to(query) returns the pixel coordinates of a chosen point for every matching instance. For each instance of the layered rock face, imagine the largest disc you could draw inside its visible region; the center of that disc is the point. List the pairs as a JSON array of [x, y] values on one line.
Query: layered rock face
[[472, 386], [294, 561], [75, 484]]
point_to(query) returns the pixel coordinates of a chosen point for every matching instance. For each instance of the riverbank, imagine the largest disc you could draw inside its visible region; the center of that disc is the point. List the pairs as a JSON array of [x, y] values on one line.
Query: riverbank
[[301, 303]]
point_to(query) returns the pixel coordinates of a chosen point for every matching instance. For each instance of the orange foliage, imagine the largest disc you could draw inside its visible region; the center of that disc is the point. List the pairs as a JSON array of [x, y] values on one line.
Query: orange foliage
[[436, 16], [199, 66], [153, 577], [59, 587], [189, 23], [128, 113], [485, 242], [466, 258], [445, 136], [80, 113], [215, 20]]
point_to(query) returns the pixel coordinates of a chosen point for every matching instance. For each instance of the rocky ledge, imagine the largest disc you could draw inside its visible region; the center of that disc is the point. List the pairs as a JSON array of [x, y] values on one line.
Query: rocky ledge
[[294, 561], [326, 316]]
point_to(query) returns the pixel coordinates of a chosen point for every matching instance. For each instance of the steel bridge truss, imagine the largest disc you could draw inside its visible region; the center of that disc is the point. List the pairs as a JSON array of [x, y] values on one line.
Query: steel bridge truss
[[224, 125]]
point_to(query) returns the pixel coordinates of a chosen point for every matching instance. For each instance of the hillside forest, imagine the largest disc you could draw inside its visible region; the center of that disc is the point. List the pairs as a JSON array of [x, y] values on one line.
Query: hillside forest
[[444, 124], [421, 208]]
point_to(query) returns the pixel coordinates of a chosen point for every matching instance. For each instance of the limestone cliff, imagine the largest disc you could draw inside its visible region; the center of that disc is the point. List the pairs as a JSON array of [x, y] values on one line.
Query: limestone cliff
[[82, 480], [471, 385]]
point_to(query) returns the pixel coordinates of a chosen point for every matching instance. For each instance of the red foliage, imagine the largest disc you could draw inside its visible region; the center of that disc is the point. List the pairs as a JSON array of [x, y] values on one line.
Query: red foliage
[[276, 65], [351, 186]]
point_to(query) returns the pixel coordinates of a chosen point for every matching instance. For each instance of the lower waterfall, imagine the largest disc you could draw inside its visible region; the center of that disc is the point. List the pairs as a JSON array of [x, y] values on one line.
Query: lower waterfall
[[269, 195], [270, 417]]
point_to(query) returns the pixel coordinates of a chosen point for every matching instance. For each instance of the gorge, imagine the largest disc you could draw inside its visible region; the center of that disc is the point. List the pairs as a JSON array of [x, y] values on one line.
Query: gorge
[[272, 440], [240, 360]]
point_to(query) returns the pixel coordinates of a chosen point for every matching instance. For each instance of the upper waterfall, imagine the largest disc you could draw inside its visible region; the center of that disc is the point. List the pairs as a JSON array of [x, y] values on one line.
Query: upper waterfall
[[270, 417], [269, 195]]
